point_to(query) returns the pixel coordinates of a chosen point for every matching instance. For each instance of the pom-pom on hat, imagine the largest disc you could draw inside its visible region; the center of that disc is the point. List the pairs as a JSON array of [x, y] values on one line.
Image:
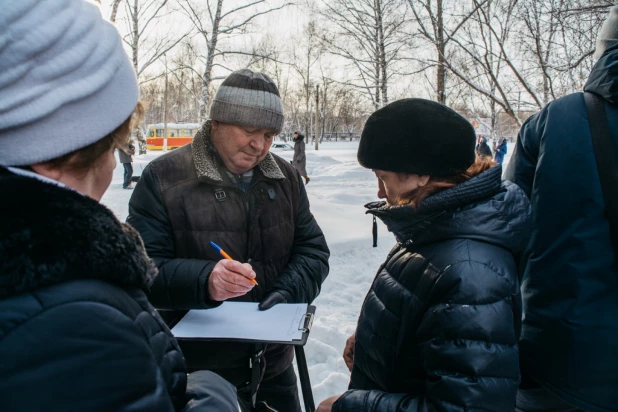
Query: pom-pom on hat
[[417, 136], [608, 35], [65, 79], [248, 98]]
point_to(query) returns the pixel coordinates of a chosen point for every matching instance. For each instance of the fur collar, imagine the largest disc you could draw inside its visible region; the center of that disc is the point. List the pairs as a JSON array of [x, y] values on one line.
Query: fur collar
[[52, 235], [207, 165]]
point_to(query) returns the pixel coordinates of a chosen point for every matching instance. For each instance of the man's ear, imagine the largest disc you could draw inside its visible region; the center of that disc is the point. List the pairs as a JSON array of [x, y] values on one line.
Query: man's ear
[[214, 125]]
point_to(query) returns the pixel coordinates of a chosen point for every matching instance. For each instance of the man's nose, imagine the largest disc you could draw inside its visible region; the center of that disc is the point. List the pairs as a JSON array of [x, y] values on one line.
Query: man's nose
[[257, 144]]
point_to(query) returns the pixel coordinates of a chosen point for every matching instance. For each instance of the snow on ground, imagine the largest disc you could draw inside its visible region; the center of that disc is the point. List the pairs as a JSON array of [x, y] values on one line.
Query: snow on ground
[[338, 190]]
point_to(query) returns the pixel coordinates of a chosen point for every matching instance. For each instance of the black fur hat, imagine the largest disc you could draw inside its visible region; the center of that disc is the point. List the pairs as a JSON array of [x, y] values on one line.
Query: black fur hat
[[417, 136]]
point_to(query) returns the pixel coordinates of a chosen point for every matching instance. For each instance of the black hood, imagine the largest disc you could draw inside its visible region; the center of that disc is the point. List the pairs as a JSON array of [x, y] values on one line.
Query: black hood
[[50, 235], [603, 79], [483, 208]]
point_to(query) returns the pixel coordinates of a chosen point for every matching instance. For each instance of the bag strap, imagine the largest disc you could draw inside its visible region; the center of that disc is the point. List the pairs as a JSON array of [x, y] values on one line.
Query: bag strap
[[606, 161]]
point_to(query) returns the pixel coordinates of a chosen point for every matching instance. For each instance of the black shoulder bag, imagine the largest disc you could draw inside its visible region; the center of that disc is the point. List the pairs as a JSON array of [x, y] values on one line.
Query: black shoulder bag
[[606, 162]]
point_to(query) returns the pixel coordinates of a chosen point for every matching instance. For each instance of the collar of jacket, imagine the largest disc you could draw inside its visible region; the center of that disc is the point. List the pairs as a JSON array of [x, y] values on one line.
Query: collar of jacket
[[55, 235], [207, 165], [407, 223]]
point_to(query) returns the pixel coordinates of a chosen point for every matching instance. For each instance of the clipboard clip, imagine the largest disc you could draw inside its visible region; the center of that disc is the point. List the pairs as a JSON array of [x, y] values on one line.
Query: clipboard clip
[[306, 322]]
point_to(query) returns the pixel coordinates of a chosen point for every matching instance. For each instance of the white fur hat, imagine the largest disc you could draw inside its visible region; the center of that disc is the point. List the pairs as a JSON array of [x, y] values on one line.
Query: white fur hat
[[65, 80], [608, 35]]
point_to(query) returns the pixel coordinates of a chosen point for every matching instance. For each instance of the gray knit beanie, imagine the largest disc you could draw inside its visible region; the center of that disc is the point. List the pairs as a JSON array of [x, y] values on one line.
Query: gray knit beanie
[[250, 99], [608, 35], [65, 80]]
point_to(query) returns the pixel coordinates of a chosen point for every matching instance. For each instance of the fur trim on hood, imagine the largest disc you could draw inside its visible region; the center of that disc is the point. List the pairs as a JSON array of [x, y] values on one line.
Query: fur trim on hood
[[51, 235]]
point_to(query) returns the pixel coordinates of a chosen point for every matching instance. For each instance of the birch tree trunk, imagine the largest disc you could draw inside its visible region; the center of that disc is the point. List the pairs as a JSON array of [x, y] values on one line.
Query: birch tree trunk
[[210, 58], [115, 5], [136, 35]]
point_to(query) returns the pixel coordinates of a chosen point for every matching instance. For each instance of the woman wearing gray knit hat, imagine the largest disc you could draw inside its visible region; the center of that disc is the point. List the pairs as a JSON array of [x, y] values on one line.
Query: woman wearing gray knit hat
[[76, 329], [438, 329]]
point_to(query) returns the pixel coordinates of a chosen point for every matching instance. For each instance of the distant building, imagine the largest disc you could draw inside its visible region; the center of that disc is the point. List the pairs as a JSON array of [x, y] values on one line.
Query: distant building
[[482, 126]]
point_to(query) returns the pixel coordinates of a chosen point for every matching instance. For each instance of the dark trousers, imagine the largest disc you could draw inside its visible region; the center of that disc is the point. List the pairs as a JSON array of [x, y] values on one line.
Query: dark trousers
[[279, 393], [541, 400], [128, 172]]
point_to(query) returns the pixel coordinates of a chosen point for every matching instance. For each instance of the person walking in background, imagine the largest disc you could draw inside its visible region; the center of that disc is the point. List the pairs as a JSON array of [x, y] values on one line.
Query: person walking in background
[[569, 339], [482, 148], [125, 154], [501, 150], [228, 188], [76, 330], [438, 329], [300, 160]]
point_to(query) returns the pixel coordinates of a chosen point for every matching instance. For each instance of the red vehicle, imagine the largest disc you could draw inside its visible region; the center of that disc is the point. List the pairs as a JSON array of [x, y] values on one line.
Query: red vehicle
[[178, 134]]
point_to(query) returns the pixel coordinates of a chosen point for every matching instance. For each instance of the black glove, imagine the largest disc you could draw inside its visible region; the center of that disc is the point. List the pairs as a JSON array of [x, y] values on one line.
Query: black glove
[[272, 298]]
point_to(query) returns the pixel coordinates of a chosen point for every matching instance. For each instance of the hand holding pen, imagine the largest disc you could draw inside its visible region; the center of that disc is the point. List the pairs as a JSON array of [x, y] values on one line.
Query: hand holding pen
[[229, 278]]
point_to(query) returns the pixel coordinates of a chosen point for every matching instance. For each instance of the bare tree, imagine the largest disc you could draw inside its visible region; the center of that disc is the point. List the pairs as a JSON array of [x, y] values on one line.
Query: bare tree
[[213, 23], [304, 58], [114, 12], [368, 35], [145, 38], [438, 22]]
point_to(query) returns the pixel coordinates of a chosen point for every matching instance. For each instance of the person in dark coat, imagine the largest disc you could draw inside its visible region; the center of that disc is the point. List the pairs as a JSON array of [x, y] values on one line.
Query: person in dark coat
[[125, 155], [569, 340], [226, 187], [76, 330], [300, 160], [501, 151], [482, 148], [438, 329]]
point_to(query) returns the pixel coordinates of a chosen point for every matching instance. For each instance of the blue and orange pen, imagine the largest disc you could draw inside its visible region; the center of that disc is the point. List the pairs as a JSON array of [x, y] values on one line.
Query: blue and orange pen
[[226, 256]]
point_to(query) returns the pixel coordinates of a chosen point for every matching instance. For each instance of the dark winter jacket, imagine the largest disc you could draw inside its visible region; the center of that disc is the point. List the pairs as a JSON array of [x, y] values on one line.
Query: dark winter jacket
[[438, 328], [569, 341], [76, 330], [300, 160], [483, 150], [185, 199], [501, 151], [126, 156]]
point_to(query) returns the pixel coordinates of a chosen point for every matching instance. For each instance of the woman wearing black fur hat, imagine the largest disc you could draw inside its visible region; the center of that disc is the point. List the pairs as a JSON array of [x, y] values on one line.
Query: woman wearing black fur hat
[[76, 330], [438, 329]]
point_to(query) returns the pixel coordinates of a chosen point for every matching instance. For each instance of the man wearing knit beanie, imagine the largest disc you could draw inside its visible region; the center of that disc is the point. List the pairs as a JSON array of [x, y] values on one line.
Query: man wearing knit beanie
[[226, 187], [569, 339]]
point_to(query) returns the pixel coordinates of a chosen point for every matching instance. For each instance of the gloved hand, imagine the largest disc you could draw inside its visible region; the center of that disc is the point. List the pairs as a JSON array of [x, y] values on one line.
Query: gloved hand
[[272, 298]]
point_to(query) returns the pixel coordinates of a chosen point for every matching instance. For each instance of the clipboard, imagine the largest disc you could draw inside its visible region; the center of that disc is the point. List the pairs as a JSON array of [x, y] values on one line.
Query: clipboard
[[304, 325]]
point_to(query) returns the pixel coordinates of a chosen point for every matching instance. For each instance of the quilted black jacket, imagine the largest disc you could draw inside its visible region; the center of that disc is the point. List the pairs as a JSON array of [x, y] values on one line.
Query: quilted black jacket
[[438, 329]]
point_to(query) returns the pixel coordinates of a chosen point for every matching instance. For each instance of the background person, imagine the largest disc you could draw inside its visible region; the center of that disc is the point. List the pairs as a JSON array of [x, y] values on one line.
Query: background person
[[501, 151], [569, 339], [76, 330], [438, 328], [300, 160], [125, 155], [227, 187], [482, 148]]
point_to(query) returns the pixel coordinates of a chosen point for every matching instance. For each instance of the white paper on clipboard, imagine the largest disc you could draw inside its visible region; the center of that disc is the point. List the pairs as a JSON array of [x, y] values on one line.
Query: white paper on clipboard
[[243, 320]]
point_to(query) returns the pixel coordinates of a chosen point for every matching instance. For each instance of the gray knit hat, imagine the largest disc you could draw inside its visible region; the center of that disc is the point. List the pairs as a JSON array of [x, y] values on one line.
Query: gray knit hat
[[608, 35], [65, 79], [250, 99]]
